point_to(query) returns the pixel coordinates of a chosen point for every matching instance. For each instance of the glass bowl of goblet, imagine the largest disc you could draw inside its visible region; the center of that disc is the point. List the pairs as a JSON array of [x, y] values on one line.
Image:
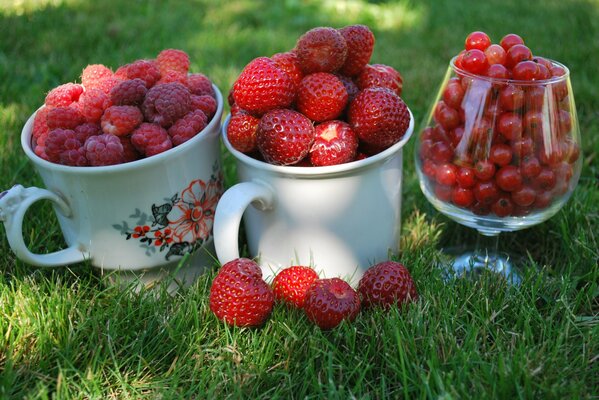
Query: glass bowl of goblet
[[499, 155]]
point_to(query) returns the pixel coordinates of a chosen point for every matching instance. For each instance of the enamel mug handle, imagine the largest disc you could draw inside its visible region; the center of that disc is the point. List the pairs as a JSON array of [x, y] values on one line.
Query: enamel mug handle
[[13, 206], [229, 211]]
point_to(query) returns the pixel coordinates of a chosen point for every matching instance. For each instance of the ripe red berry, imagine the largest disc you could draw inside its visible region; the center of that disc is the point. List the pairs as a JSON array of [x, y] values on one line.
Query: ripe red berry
[[289, 63], [199, 85], [335, 143], [63, 95], [290, 285], [495, 54], [453, 94], [380, 75], [63, 117], [93, 74], [466, 177], [166, 103], [525, 71], [509, 40], [524, 196], [187, 127], [486, 192], [60, 141], [239, 296], [446, 174], [145, 70], [462, 197], [93, 104], [386, 284], [330, 301], [105, 149], [360, 45], [131, 92], [516, 54], [263, 86], [477, 40], [475, 61], [121, 120], [205, 103], [379, 117], [321, 49], [508, 178], [484, 170], [500, 154], [173, 60], [284, 136], [150, 139], [503, 206], [241, 131], [321, 96]]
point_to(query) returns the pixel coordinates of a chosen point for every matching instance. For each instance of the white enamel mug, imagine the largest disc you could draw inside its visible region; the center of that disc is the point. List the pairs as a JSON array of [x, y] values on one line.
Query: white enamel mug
[[134, 216], [339, 219]]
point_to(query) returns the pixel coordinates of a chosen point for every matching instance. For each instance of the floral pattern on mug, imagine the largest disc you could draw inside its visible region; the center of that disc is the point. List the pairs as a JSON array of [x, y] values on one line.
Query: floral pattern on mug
[[182, 223]]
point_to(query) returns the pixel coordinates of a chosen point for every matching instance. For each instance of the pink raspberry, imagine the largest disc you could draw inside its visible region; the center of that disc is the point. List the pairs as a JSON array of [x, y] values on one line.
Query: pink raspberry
[[130, 152], [121, 120], [205, 103], [40, 151], [93, 104], [150, 139], [64, 95], [85, 130], [200, 84], [107, 84], [187, 127], [172, 76], [173, 59], [93, 74], [105, 149], [40, 126], [145, 70], [63, 117], [130, 92], [60, 142], [74, 157], [166, 103]]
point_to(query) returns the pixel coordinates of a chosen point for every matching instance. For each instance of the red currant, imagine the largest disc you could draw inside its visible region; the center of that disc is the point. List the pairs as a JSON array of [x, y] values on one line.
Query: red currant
[[462, 197], [498, 71], [530, 167], [466, 177], [511, 97], [517, 53], [510, 125], [509, 40], [429, 168], [535, 96], [525, 71], [441, 153], [543, 199], [524, 196], [523, 147], [508, 178], [486, 192], [446, 174], [501, 154], [545, 180], [477, 40], [443, 193], [453, 93], [495, 54], [484, 170], [503, 206], [474, 61], [479, 208], [446, 116], [456, 135]]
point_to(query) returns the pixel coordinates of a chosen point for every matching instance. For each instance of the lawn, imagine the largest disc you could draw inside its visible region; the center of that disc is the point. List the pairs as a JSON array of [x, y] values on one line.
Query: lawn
[[67, 333]]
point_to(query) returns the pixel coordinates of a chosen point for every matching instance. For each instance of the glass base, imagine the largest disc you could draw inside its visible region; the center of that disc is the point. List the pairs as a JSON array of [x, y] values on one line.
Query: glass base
[[473, 264]]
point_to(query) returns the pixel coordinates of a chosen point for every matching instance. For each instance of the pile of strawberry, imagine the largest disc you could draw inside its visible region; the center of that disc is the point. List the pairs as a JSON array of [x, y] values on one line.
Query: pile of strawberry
[[239, 296], [319, 104], [142, 109], [500, 140]]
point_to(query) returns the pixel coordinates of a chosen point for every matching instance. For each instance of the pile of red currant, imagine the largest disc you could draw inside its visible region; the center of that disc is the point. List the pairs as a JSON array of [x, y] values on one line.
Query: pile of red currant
[[501, 138]]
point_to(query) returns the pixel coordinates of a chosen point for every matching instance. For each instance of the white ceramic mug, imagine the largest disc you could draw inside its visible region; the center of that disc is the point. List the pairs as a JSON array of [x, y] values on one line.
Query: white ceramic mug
[[340, 219], [134, 216]]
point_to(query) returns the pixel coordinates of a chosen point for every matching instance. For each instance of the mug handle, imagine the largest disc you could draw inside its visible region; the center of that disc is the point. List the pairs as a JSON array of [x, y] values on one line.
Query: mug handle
[[229, 211], [13, 206]]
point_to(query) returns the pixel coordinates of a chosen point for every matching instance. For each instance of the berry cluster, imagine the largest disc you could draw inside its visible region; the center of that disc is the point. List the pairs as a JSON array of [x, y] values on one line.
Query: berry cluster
[[142, 109], [500, 139], [319, 104], [239, 296]]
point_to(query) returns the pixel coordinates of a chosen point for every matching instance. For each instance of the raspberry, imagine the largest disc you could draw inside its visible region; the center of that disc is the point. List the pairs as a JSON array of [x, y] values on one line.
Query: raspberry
[[40, 151], [321, 96], [379, 117], [360, 45], [380, 75], [93, 104], [40, 126], [145, 70], [130, 153], [173, 60], [105, 149], [284, 136], [172, 76], [199, 84], [107, 84], [64, 95], [63, 117], [93, 74], [241, 131], [121, 120], [59, 142], [166, 103], [150, 139], [289, 63], [83, 131], [187, 127], [131, 92], [262, 86], [205, 103], [321, 49], [74, 157], [335, 143]]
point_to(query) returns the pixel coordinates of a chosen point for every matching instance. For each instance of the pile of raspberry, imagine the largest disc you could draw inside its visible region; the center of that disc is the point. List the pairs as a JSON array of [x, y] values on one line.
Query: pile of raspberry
[[319, 104], [141, 109]]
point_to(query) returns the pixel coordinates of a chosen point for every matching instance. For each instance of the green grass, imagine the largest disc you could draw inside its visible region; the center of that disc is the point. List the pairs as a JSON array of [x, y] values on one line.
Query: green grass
[[67, 333]]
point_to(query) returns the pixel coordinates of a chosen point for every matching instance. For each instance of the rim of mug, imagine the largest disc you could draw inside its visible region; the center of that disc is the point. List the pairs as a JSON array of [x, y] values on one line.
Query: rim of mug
[[553, 79], [27, 133], [316, 170]]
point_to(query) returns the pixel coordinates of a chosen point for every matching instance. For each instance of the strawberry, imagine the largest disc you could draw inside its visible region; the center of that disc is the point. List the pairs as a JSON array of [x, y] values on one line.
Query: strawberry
[[284, 136], [321, 49], [321, 96], [380, 75], [239, 296], [360, 45], [263, 86], [335, 143], [330, 301], [289, 63], [385, 284], [379, 117], [290, 284], [241, 131]]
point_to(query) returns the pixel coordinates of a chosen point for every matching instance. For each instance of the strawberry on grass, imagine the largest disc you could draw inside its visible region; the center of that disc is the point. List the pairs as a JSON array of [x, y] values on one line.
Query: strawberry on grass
[[385, 284], [290, 284], [330, 301]]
